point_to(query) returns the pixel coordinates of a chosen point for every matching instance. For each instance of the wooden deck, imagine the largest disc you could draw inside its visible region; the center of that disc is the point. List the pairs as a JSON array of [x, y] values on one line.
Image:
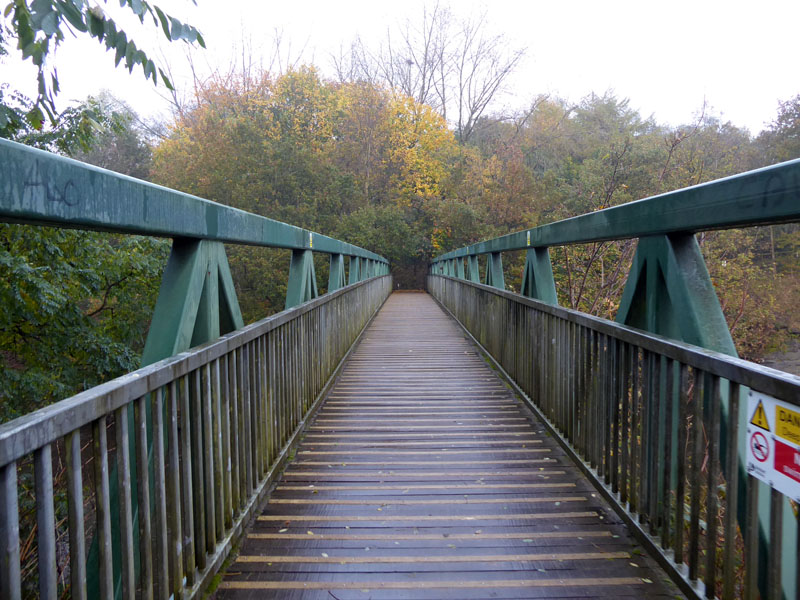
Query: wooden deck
[[423, 476]]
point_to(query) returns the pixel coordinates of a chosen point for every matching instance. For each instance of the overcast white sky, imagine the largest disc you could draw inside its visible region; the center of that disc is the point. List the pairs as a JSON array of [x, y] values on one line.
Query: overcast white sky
[[666, 57]]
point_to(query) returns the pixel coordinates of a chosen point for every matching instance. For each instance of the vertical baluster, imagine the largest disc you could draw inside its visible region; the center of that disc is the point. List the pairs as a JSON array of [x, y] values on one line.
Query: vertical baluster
[[626, 435], [247, 411], [125, 502], [774, 585], [635, 481], [10, 578], [143, 486], [209, 483], [731, 495], [77, 536], [160, 555], [46, 525], [696, 453], [255, 425], [236, 432], [680, 492], [207, 477], [669, 434], [272, 406], [188, 388], [175, 547], [102, 507], [751, 540], [216, 442], [225, 414], [198, 478], [615, 351], [262, 400], [656, 433], [647, 438], [713, 482]]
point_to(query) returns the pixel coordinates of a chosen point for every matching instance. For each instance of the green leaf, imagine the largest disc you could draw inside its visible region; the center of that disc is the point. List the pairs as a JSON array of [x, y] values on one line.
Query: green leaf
[[122, 44], [176, 29], [96, 25], [200, 40], [72, 14], [130, 51], [138, 8], [164, 24], [166, 80], [35, 117]]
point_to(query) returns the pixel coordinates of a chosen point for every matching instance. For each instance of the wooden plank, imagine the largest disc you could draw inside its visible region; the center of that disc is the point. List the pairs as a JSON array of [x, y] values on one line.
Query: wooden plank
[[412, 585], [423, 472]]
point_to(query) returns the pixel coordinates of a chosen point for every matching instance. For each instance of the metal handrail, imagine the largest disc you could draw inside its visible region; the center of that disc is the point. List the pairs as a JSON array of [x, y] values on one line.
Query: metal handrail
[[41, 188], [763, 196]]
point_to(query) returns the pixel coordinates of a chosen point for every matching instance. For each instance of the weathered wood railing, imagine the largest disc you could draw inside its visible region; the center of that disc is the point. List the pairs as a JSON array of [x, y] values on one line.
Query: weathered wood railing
[[205, 430], [634, 410], [225, 417], [621, 397]]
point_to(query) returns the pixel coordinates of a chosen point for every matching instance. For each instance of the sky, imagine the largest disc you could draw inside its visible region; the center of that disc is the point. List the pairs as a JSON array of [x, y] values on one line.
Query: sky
[[667, 58]]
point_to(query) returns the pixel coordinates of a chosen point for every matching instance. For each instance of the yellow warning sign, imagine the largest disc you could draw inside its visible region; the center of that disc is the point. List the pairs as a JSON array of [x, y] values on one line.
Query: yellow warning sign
[[787, 424], [759, 418]]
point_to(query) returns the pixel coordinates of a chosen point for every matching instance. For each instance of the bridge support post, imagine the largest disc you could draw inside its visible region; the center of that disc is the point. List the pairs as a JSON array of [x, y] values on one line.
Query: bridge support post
[[472, 266], [460, 268], [302, 279], [494, 271], [336, 273], [537, 277], [354, 274]]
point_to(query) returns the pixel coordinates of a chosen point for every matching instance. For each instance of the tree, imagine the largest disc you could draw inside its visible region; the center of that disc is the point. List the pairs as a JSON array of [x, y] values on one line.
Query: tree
[[454, 66], [39, 26], [121, 146]]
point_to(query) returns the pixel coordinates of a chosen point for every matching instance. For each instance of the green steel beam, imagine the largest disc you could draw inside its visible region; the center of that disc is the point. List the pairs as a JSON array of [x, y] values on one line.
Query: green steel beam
[[40, 188], [494, 271], [669, 292], [354, 268], [537, 278], [472, 268], [768, 195], [196, 302], [302, 279], [336, 273], [460, 268]]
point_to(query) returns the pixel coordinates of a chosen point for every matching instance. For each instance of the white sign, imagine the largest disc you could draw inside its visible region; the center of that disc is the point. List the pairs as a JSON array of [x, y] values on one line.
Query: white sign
[[773, 443]]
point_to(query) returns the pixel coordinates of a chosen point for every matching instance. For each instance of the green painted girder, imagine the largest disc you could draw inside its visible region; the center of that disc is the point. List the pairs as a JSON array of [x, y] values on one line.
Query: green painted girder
[[354, 270], [196, 302], [494, 271], [460, 268], [537, 278], [302, 279], [336, 273], [40, 188], [472, 268], [669, 292], [768, 195]]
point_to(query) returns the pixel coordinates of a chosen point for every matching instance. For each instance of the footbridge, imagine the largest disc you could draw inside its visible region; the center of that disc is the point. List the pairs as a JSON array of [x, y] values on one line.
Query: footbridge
[[467, 442]]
